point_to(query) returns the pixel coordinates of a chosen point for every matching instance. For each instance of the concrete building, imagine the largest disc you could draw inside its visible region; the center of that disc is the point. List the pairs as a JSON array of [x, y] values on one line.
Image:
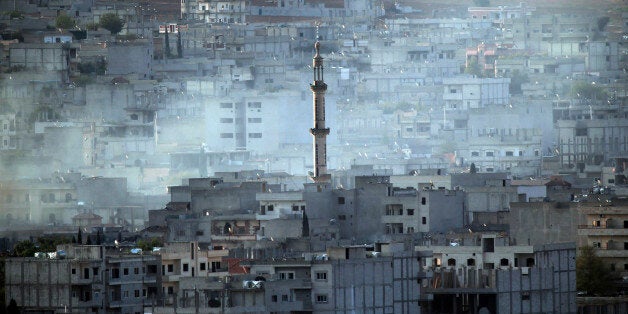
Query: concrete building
[[604, 227], [89, 279], [472, 93], [485, 192], [485, 273], [133, 59]]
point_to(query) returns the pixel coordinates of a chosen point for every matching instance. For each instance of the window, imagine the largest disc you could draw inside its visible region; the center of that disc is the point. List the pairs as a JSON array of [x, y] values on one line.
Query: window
[[126, 271], [170, 268], [137, 293], [341, 200], [226, 105], [134, 117], [597, 244], [321, 298], [115, 273], [509, 153], [255, 120], [410, 211], [73, 271], [286, 275], [321, 275], [136, 271], [284, 298], [525, 295], [489, 169], [202, 266], [503, 262], [490, 154], [186, 267], [170, 290], [273, 298], [471, 262], [423, 200], [453, 91], [255, 135], [256, 104], [342, 217], [226, 135], [226, 120], [423, 220], [271, 208], [295, 208], [475, 154]]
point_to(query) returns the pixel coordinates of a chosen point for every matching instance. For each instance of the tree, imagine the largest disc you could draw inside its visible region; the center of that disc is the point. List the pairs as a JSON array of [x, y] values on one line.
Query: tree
[[179, 45], [13, 308], [167, 43], [473, 169], [584, 90], [592, 275], [149, 244], [516, 80], [473, 68], [111, 22], [24, 248], [602, 22], [64, 22], [92, 26]]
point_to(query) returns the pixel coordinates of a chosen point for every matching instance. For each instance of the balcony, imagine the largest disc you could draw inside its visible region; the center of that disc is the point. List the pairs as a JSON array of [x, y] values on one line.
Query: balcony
[[601, 230], [462, 280]]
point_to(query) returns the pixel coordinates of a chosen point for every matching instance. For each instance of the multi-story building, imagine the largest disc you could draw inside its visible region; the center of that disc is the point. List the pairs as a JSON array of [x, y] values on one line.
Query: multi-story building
[[86, 279], [8, 131], [590, 134], [473, 271], [212, 11], [604, 226], [186, 259]]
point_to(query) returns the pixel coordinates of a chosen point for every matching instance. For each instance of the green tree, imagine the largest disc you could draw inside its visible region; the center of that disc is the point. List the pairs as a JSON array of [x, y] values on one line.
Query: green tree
[[179, 45], [473, 68], [111, 22], [592, 275], [64, 22], [473, 168], [92, 26], [516, 80], [24, 248], [149, 244], [167, 43], [602, 22], [13, 308], [585, 90]]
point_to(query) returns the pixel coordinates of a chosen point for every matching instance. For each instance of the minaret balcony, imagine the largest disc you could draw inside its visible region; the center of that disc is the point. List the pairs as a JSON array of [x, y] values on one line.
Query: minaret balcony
[[316, 132], [318, 86]]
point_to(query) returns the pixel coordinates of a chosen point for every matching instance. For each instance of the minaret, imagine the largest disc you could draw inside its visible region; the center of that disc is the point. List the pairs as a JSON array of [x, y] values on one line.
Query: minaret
[[319, 131]]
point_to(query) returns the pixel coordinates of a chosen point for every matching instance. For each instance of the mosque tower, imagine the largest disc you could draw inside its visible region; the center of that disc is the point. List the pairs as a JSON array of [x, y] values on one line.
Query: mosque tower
[[319, 131]]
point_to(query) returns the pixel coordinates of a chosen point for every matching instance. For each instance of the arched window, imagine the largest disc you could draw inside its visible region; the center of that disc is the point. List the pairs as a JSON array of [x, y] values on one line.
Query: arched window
[[503, 262], [451, 262], [471, 262]]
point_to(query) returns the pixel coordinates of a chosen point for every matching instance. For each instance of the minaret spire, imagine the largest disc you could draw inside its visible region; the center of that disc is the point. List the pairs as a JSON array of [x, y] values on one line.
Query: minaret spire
[[319, 131]]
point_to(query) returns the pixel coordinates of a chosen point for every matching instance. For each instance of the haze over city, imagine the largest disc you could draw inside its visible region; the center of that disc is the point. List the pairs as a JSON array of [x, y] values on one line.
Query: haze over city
[[313, 156]]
